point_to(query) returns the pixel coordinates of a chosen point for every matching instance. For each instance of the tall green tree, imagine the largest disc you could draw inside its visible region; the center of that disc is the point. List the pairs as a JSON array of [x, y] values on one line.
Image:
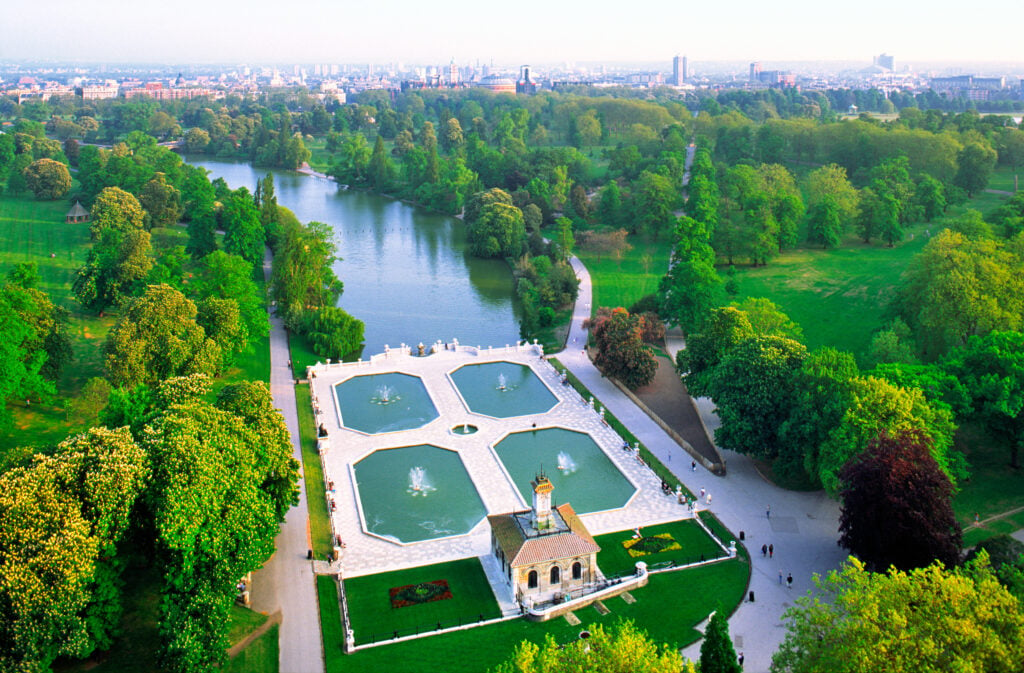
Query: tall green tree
[[690, 288], [47, 179], [116, 209], [991, 369], [161, 201], [753, 388], [717, 654], [243, 231], [975, 164], [116, 265], [303, 270], [156, 338]]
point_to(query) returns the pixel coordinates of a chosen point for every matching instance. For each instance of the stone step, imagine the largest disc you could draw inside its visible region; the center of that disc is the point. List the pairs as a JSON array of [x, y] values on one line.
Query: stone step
[[572, 619], [600, 607], [628, 597]]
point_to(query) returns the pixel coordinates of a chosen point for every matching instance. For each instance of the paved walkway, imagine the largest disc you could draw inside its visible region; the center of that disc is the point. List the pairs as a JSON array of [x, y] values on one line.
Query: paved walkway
[[285, 583], [803, 526]]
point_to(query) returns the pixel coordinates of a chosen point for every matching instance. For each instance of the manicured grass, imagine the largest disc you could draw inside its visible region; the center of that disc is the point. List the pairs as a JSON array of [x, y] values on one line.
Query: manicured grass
[[373, 618], [614, 559], [659, 469], [261, 656], [636, 274], [331, 627], [668, 608], [313, 476], [302, 354]]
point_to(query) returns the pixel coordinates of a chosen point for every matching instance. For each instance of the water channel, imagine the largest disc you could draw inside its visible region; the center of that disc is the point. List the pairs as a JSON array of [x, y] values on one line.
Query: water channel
[[406, 271]]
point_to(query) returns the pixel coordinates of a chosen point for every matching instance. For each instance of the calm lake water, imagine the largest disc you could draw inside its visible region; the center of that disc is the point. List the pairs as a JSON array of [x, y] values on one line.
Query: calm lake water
[[406, 271]]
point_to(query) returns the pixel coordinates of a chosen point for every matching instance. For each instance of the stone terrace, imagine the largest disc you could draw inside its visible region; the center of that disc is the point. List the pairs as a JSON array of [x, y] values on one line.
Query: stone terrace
[[367, 554]]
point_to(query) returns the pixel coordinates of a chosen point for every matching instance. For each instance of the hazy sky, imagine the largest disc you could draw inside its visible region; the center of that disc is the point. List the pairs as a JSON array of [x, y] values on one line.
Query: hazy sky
[[528, 31]]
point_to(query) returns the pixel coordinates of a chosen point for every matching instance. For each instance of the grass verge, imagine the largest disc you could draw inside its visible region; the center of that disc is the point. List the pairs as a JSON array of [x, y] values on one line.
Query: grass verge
[[313, 476], [330, 624], [623, 431]]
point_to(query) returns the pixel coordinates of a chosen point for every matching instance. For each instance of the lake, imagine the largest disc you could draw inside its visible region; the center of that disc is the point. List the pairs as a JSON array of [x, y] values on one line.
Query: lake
[[406, 271]]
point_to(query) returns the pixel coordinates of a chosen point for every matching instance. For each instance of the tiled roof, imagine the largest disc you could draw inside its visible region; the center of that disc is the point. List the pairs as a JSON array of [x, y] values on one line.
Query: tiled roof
[[520, 550]]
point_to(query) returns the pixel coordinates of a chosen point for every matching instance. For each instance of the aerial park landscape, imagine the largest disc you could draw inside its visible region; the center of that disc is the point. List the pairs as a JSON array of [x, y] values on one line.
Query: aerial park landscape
[[671, 366]]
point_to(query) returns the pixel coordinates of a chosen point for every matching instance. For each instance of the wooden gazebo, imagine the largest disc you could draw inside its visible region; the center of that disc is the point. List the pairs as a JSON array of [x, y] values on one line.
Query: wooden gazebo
[[77, 214]]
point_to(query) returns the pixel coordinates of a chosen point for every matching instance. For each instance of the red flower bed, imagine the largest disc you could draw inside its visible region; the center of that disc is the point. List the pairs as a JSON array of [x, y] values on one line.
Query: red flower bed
[[424, 592]]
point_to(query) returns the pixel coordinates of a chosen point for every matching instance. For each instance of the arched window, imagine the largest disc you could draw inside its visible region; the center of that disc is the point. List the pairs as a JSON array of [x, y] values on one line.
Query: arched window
[[577, 570], [556, 575], [531, 580]]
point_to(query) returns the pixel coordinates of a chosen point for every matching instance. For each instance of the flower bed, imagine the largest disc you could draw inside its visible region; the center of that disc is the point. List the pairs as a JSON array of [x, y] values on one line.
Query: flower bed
[[424, 592], [642, 546]]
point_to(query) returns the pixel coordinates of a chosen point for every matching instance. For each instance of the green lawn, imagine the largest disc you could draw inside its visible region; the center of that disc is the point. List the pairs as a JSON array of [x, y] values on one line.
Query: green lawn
[[261, 656], [994, 487], [313, 476], [374, 618], [614, 558], [331, 627], [1002, 178], [668, 608], [839, 297], [35, 231], [621, 282]]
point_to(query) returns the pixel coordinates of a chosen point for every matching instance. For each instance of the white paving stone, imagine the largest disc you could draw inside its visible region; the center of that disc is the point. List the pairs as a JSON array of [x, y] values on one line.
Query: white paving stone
[[367, 554]]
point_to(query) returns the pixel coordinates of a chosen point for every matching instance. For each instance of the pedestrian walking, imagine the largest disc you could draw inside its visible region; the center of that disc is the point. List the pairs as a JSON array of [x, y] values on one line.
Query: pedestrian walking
[[768, 512], [780, 577], [702, 492], [764, 550], [789, 580], [740, 659], [709, 500], [693, 465], [771, 550]]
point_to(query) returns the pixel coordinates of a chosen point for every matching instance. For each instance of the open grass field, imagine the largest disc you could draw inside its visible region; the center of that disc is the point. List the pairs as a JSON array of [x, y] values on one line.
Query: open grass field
[[621, 282], [374, 618], [695, 544], [839, 297], [35, 231], [668, 608], [1002, 179]]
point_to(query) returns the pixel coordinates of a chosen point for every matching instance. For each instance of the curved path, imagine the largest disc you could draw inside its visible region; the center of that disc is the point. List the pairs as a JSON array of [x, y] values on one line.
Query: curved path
[[286, 583], [802, 527]]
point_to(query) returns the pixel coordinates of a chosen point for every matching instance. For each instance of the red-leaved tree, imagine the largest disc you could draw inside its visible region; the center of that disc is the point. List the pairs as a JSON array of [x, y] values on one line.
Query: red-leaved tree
[[897, 507]]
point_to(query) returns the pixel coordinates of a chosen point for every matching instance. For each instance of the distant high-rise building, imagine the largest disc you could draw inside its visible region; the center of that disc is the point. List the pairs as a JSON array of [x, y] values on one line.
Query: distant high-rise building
[[678, 71], [453, 73], [525, 85], [755, 71], [885, 61]]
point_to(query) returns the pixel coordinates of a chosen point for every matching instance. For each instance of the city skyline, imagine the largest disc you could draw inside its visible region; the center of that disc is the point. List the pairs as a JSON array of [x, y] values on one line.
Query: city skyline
[[318, 30]]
